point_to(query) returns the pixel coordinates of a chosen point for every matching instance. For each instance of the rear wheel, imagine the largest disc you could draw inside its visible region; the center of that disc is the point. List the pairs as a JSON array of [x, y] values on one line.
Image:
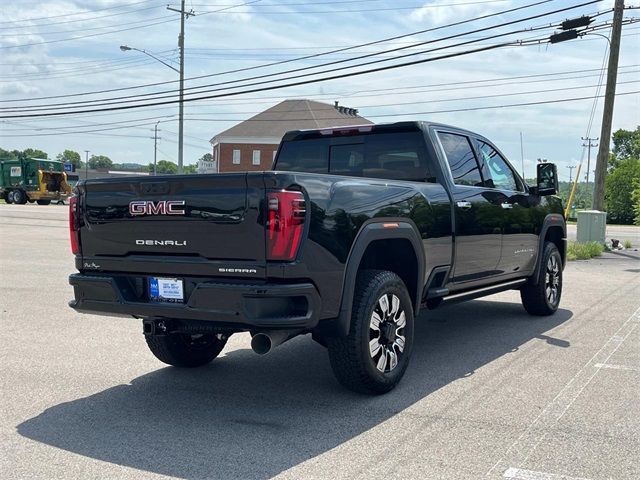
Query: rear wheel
[[186, 350], [543, 298], [43, 202], [10, 197], [373, 357]]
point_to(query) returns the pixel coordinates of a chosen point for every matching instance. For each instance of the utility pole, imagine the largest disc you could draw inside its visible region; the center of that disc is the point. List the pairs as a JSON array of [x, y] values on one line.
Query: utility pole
[[571, 167], [155, 149], [589, 145], [183, 14], [609, 98], [86, 165]]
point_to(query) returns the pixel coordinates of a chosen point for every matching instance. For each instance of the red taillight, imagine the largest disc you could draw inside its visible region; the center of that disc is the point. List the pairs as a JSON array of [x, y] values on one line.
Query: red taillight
[[286, 213], [73, 225]]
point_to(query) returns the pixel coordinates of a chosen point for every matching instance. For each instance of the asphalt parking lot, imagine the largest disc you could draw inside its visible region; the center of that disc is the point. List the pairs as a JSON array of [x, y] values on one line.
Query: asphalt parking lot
[[491, 392]]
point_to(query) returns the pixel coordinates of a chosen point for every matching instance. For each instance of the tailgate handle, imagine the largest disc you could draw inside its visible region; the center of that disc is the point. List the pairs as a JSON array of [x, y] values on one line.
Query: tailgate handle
[[154, 188]]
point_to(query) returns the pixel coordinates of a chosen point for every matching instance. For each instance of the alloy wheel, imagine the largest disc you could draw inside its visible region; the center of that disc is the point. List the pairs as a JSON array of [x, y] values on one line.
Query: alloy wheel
[[386, 333], [552, 280]]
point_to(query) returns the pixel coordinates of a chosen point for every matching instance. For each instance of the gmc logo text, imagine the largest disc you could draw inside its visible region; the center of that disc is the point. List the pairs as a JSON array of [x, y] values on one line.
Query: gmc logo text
[[162, 207]]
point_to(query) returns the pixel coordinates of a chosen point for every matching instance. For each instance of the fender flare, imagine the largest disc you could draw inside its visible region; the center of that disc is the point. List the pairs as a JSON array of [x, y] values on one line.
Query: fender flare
[[551, 220], [371, 231]]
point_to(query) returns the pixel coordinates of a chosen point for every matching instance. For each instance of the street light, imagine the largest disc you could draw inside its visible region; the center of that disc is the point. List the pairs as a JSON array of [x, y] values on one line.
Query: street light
[[126, 48]]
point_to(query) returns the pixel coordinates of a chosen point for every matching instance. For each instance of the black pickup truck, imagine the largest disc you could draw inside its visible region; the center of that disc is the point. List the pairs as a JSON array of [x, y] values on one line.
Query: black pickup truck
[[352, 233]]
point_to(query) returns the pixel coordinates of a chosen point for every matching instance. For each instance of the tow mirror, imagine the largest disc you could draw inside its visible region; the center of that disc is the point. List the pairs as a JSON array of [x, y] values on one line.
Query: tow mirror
[[547, 179]]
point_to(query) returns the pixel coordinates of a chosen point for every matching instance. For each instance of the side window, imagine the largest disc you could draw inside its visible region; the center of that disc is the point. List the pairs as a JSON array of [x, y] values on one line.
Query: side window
[[461, 159], [236, 157], [397, 156], [502, 176]]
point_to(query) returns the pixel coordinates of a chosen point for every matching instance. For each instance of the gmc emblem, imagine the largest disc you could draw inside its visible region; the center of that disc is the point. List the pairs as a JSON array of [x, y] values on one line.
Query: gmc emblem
[[162, 207]]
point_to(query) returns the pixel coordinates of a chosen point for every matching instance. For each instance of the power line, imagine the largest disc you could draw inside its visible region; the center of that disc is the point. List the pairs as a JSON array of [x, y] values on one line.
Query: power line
[[87, 29], [128, 124], [170, 19], [122, 107], [79, 37], [156, 95], [489, 107], [77, 13], [360, 10], [397, 37], [91, 19], [409, 90], [261, 89], [66, 73]]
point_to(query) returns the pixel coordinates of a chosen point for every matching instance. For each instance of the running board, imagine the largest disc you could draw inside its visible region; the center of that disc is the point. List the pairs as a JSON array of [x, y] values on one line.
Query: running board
[[483, 292]]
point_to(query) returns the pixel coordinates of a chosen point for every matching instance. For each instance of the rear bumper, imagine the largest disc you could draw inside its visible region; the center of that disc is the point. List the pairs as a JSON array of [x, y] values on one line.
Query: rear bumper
[[232, 305]]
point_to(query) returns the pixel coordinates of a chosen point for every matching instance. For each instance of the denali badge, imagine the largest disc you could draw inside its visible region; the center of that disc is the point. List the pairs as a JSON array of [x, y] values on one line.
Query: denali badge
[[162, 207], [172, 243]]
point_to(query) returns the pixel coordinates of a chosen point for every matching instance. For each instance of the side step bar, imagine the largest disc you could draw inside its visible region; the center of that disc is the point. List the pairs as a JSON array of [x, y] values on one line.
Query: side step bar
[[484, 291]]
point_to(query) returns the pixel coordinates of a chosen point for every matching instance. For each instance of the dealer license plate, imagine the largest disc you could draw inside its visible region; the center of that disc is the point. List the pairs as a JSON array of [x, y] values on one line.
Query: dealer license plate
[[166, 290]]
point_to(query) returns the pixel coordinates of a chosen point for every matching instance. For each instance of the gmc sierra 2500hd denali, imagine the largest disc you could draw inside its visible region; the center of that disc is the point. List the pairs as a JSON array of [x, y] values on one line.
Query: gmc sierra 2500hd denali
[[353, 231]]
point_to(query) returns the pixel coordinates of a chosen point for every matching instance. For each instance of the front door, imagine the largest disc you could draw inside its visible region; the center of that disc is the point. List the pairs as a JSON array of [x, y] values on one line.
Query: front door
[[509, 195], [477, 223]]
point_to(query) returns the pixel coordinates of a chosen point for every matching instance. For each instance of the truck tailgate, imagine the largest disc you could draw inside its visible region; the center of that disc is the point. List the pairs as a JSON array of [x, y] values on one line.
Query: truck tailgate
[[202, 224]]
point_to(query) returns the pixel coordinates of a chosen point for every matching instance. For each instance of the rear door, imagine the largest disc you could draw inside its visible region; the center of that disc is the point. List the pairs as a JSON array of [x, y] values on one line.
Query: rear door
[[478, 235]]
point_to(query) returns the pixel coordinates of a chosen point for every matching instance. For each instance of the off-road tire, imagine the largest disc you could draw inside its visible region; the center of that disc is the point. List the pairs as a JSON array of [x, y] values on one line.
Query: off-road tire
[[541, 295], [351, 357], [43, 202], [184, 350]]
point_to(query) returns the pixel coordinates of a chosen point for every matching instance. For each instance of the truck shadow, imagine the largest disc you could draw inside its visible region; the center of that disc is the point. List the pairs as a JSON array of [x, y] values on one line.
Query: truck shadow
[[246, 416]]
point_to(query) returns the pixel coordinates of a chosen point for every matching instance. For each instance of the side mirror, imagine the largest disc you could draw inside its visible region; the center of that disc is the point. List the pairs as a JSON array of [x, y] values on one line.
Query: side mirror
[[547, 179]]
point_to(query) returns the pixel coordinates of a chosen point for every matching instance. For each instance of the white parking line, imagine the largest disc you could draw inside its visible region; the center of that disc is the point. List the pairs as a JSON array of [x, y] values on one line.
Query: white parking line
[[522, 448], [616, 367], [520, 474]]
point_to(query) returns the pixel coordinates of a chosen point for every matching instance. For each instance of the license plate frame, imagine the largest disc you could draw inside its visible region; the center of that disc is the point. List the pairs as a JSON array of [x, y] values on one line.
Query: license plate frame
[[166, 290]]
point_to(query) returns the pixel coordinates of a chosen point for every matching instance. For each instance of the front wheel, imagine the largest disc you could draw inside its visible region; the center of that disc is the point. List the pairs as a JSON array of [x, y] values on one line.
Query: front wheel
[[373, 357], [10, 197], [185, 350], [19, 197], [543, 297]]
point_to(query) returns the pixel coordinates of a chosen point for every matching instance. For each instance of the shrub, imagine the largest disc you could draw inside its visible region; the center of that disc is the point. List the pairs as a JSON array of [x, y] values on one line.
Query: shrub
[[584, 251]]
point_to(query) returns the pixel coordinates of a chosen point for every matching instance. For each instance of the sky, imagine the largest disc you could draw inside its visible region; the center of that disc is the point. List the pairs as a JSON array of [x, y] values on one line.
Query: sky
[[68, 47]]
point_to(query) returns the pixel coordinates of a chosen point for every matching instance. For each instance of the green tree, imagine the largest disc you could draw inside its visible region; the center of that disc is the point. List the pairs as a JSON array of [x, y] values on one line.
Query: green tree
[[33, 153], [618, 188], [190, 169], [22, 154], [100, 161], [7, 155], [626, 145], [70, 156], [164, 166], [207, 157]]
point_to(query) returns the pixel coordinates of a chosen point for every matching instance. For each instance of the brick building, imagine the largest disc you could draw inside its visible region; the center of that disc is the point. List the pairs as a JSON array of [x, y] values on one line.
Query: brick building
[[252, 144]]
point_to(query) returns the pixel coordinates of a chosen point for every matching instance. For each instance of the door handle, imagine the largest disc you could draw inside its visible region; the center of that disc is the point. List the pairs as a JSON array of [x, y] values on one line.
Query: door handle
[[506, 205], [464, 204]]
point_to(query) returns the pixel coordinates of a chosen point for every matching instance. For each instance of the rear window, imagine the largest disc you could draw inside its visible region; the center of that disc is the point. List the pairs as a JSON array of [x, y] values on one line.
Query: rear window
[[395, 156]]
